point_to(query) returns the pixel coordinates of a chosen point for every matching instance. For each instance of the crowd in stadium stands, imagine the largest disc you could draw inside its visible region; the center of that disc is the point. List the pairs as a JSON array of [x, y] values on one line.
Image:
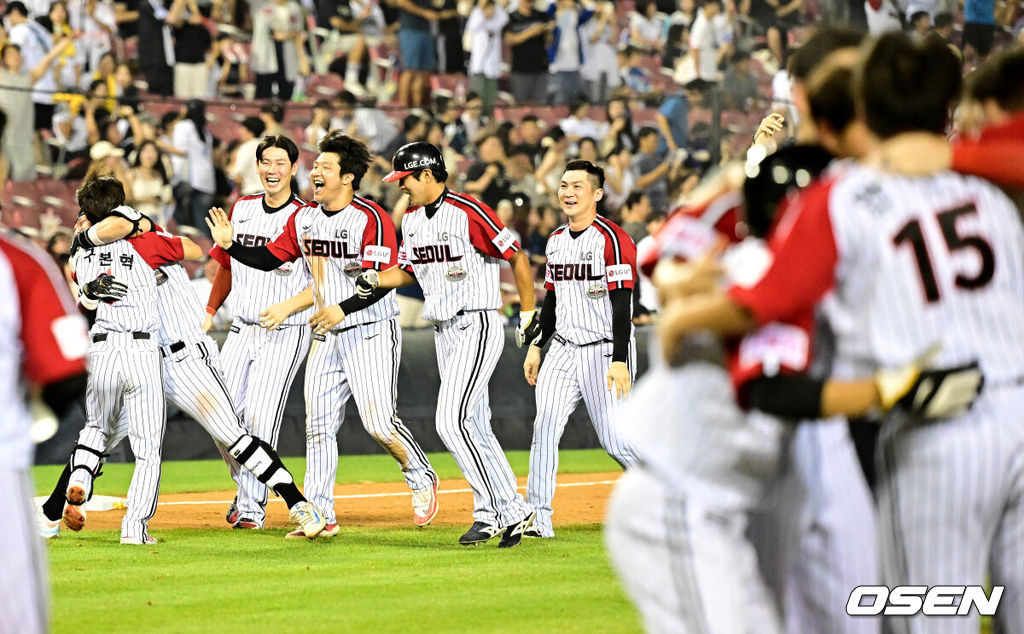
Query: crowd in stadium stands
[[173, 95]]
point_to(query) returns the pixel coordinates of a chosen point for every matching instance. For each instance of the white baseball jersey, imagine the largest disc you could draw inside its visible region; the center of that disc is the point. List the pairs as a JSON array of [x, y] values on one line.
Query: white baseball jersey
[[453, 247], [132, 261], [582, 270], [337, 247], [252, 290], [181, 310]]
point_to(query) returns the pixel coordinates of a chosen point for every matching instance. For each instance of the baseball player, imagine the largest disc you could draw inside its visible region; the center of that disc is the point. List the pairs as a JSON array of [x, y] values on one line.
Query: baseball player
[[44, 343], [193, 381], [259, 363], [452, 245], [591, 270], [339, 236], [902, 263]]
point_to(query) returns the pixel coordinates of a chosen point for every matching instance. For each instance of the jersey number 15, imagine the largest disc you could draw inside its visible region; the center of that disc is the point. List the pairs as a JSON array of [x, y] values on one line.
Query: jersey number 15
[[911, 234]]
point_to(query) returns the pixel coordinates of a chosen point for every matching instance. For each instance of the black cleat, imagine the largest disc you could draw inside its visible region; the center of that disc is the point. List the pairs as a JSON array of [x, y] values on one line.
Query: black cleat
[[532, 533], [479, 533], [514, 534]]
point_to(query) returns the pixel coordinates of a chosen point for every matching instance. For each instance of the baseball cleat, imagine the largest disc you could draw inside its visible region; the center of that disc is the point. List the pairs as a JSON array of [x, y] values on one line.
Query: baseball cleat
[[514, 534], [74, 517], [76, 493], [424, 504], [48, 528], [308, 517], [233, 515], [147, 540], [244, 523], [329, 531], [479, 533], [532, 533]]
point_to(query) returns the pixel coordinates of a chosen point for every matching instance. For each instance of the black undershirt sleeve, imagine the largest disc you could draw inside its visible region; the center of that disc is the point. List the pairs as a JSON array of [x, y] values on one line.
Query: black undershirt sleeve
[[547, 319], [257, 257], [357, 303], [792, 396], [622, 322]]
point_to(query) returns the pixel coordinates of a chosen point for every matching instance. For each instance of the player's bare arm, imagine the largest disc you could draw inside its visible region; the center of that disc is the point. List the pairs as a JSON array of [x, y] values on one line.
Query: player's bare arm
[[191, 250], [714, 311], [275, 314]]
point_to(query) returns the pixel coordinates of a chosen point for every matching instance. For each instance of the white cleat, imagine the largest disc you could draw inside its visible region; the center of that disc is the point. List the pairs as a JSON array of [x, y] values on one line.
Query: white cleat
[[147, 540], [48, 528], [424, 504], [309, 518]]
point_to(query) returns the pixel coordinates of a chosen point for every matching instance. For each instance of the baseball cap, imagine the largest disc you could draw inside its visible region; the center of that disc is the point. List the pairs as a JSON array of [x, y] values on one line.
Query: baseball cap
[[414, 157], [104, 149]]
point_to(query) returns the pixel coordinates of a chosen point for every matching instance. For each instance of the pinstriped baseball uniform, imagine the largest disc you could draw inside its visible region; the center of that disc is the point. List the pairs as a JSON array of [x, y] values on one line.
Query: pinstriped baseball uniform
[[902, 263], [361, 356], [42, 340], [125, 370], [259, 364], [453, 247], [582, 269]]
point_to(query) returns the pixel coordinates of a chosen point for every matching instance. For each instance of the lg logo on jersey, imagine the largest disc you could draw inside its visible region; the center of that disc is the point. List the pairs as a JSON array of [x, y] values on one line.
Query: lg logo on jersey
[[934, 601]]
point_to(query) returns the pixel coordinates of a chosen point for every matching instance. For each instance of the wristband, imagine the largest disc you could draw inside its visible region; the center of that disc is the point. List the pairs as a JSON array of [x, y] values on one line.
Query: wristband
[[211, 311]]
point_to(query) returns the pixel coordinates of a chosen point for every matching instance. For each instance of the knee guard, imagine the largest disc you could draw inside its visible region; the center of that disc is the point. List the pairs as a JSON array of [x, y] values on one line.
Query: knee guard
[[89, 460], [260, 459]]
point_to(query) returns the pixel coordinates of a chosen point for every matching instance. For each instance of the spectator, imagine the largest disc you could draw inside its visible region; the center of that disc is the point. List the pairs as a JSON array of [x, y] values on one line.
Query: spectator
[[586, 150], [107, 158], [76, 124], [195, 180], [979, 29], [348, 21], [446, 111], [451, 54], [685, 13], [34, 43], [650, 169], [370, 125], [739, 86], [635, 74], [530, 135], [320, 125], [417, 49], [67, 68], [618, 177], [278, 53], [565, 55], [677, 43], [95, 28], [156, 44], [620, 130], [579, 124], [435, 136], [647, 27], [704, 42], [16, 104], [556, 153], [473, 119], [776, 17], [920, 24], [520, 169], [634, 215], [243, 172], [542, 220], [414, 128], [647, 297], [230, 67], [525, 33], [943, 25], [484, 27], [601, 72], [487, 179], [105, 73], [192, 45], [272, 116], [148, 188]]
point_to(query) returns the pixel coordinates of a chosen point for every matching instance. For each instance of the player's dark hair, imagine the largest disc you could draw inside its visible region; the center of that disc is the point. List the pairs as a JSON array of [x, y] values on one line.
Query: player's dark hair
[[831, 98], [1000, 79], [97, 197], [353, 155], [596, 173], [280, 141], [907, 87], [826, 39]]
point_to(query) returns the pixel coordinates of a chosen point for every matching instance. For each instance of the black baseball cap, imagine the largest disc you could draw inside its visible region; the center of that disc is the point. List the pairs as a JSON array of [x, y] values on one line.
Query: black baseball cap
[[414, 157]]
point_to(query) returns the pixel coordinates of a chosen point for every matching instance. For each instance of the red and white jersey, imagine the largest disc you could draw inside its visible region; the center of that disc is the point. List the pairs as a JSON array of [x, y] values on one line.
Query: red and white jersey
[[454, 247], [253, 290], [43, 338], [691, 232], [582, 270], [181, 310], [899, 264], [338, 246], [132, 261]]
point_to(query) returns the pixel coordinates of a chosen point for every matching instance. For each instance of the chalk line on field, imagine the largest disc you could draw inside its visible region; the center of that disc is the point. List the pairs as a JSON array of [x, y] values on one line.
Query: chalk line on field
[[379, 495]]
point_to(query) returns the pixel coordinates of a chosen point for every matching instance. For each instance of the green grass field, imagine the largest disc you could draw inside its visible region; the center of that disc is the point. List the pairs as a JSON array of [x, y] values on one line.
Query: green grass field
[[365, 580]]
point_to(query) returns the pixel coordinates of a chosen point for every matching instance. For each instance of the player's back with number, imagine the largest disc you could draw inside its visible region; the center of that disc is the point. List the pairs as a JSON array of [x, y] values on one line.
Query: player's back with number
[[930, 259]]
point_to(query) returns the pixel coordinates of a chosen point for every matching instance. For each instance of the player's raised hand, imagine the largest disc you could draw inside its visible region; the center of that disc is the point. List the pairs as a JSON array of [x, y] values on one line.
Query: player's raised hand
[[532, 365], [275, 315], [618, 379], [770, 126], [326, 318], [220, 227]]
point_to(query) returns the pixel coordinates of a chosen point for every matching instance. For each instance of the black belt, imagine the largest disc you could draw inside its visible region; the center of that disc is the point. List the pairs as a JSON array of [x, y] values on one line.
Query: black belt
[[472, 310], [562, 340], [175, 347], [135, 335]]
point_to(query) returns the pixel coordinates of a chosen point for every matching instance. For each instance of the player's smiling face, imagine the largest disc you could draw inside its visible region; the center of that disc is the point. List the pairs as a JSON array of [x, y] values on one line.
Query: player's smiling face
[[326, 177], [576, 193], [275, 170]]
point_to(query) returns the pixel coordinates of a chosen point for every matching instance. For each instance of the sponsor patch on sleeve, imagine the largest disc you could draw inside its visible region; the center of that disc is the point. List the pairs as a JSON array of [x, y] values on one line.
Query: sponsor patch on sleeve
[[72, 335], [504, 239], [619, 273], [377, 253]]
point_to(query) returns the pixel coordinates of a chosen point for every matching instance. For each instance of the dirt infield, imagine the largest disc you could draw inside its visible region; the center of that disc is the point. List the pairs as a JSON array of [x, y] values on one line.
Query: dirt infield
[[579, 498]]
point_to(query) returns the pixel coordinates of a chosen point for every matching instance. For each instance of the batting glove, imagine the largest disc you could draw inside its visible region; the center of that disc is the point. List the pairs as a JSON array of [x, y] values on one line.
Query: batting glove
[[529, 331], [946, 392], [367, 281], [106, 288]]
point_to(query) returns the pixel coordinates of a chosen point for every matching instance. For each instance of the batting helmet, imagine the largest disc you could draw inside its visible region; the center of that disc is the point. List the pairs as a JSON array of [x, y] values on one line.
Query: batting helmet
[[414, 157]]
